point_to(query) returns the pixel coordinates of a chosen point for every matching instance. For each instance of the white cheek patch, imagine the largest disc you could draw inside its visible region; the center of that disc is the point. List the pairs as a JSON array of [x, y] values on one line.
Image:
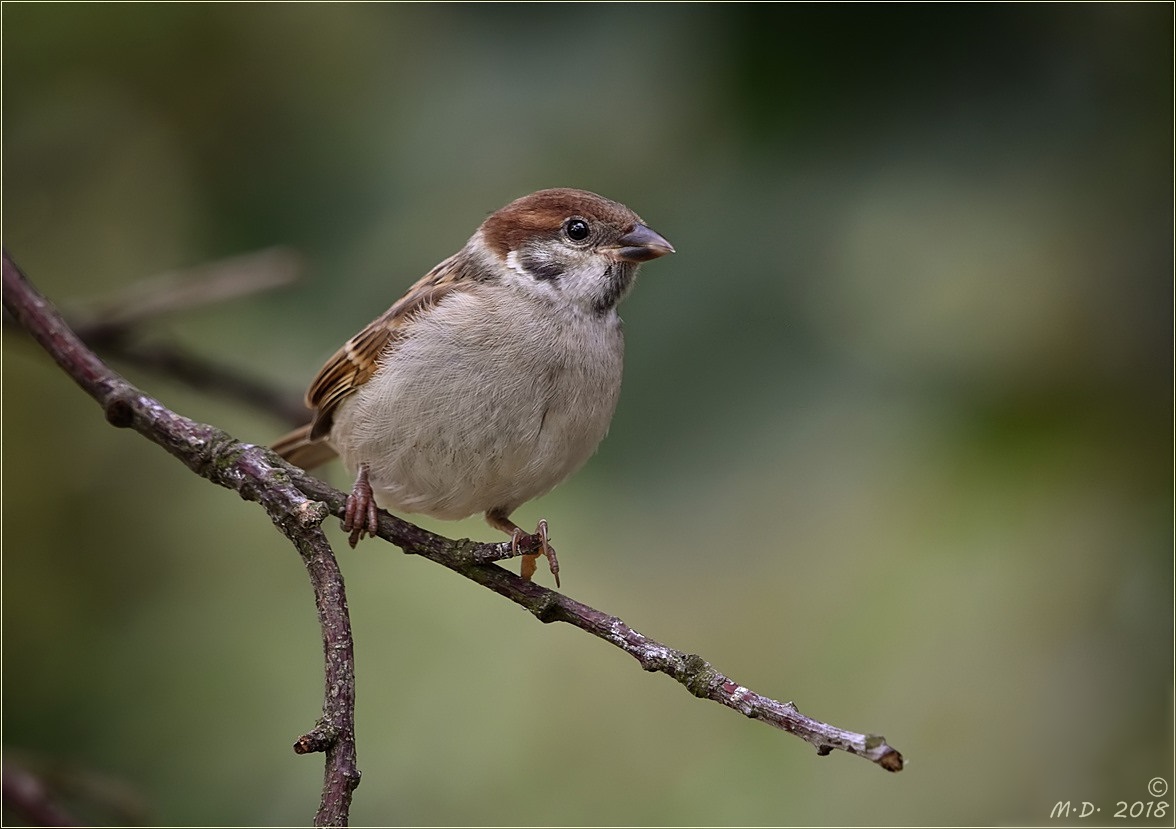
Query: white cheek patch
[[512, 262], [519, 277]]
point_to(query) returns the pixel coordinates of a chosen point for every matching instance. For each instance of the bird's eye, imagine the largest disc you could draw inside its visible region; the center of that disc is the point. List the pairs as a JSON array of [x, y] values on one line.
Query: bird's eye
[[576, 229]]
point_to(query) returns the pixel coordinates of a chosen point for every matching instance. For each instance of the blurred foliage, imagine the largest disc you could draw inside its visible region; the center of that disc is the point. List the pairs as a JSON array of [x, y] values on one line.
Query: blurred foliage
[[895, 439]]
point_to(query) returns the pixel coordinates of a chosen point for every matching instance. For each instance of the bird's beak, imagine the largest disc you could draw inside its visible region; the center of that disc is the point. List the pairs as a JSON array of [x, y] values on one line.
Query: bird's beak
[[641, 244]]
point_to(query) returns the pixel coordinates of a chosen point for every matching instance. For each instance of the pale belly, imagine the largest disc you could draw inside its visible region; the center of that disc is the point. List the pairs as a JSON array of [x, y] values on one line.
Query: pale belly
[[462, 421]]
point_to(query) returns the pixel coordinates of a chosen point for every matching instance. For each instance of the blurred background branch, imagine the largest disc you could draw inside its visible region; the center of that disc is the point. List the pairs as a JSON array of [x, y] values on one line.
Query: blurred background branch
[[31, 799], [114, 327], [44, 791]]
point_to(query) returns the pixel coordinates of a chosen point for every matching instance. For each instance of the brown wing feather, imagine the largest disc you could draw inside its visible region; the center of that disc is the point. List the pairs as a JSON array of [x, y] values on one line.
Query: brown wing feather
[[300, 450], [355, 363]]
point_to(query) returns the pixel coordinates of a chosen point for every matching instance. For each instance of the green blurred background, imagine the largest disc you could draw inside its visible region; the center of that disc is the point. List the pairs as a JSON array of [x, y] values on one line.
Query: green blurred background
[[894, 441]]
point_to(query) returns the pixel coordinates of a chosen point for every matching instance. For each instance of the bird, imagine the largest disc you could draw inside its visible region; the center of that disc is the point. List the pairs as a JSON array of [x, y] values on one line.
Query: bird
[[493, 379]]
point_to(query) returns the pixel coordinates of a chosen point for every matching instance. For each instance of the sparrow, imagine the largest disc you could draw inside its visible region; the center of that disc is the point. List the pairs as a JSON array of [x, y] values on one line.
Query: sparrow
[[493, 378]]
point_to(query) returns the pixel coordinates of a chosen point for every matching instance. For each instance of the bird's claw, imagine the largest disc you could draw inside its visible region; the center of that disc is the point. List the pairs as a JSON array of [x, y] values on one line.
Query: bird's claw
[[529, 564]]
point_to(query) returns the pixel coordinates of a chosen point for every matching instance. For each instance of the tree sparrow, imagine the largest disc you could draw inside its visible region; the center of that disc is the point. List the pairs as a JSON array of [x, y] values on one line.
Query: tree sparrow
[[494, 378]]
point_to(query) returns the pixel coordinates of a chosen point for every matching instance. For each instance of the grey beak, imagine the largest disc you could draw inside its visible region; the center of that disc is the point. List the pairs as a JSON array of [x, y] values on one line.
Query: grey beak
[[641, 244]]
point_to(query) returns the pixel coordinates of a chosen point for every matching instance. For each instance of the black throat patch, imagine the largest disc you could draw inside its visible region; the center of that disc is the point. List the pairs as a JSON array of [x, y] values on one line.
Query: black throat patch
[[617, 280]]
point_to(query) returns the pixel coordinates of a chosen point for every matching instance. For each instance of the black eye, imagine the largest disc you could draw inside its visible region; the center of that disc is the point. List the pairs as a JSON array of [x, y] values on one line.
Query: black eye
[[576, 229]]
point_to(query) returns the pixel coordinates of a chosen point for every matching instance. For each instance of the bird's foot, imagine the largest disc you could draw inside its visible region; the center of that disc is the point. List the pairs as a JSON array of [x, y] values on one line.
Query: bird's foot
[[360, 517], [529, 564]]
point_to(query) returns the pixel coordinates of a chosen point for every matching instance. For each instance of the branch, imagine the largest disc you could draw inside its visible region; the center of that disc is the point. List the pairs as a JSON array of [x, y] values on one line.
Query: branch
[[301, 522], [259, 475], [699, 677]]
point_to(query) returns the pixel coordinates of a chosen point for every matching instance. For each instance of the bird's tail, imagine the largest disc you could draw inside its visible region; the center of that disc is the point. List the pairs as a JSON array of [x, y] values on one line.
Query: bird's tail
[[298, 448]]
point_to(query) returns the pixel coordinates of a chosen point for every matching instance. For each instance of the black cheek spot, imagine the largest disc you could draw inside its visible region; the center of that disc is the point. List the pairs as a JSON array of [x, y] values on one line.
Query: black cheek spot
[[542, 269]]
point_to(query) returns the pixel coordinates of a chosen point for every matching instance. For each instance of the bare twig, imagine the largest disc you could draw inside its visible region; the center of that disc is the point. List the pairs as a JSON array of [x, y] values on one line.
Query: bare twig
[[259, 475], [702, 679]]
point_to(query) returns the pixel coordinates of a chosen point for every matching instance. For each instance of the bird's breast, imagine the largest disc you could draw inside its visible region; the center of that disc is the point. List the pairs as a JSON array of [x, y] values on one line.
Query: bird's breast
[[484, 404]]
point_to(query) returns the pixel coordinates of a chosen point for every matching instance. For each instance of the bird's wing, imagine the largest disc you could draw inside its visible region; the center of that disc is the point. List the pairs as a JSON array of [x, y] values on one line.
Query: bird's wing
[[360, 357]]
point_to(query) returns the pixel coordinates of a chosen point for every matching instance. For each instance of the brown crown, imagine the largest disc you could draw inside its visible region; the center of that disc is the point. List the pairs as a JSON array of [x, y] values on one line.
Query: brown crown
[[542, 214]]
